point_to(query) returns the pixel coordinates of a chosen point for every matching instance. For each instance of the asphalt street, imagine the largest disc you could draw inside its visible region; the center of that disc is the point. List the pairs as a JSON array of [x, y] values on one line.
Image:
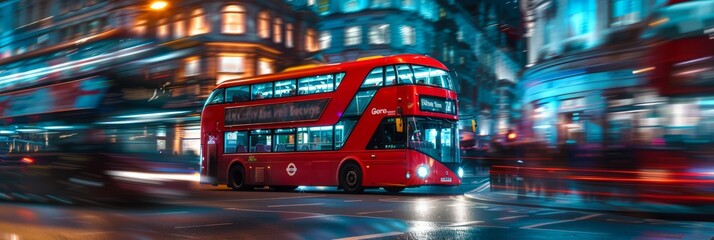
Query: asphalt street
[[326, 213]]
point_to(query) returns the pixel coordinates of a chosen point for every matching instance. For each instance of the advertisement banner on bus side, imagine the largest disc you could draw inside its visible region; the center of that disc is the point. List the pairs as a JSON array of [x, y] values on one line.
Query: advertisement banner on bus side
[[276, 113]]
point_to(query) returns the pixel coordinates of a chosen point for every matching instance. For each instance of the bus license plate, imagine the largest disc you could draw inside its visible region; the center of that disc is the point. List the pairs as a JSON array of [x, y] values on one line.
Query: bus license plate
[[446, 179]]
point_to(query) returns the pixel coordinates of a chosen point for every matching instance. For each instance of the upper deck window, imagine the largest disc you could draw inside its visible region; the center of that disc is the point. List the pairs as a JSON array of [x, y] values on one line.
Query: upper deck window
[[374, 79], [276, 89], [262, 91], [216, 96], [285, 88], [316, 84], [405, 74], [408, 74], [238, 94]]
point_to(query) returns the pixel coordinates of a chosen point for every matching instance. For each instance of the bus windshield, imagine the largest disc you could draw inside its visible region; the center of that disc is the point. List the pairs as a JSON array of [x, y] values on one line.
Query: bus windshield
[[434, 137]]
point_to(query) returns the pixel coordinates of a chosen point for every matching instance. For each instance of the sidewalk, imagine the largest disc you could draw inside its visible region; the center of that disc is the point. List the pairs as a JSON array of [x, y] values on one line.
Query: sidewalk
[[577, 202]]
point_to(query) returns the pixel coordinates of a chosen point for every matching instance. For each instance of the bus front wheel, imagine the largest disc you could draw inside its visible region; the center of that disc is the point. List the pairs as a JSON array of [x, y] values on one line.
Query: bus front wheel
[[351, 178], [236, 178]]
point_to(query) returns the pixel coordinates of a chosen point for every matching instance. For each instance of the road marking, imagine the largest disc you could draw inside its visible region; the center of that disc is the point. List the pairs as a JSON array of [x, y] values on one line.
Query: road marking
[[567, 231], [481, 188], [363, 213], [561, 221], [161, 213], [271, 211], [353, 200], [205, 225], [306, 217], [184, 236], [481, 181], [467, 205], [461, 224], [58, 199], [307, 213], [396, 200], [92, 233], [252, 199], [511, 217], [296, 205], [378, 235], [550, 213]]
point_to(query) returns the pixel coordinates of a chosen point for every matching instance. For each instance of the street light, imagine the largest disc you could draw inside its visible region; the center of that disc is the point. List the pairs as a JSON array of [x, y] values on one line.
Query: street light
[[158, 5]]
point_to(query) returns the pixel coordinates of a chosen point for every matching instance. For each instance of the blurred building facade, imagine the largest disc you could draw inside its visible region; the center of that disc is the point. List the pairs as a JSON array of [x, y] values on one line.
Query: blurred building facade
[[589, 81], [443, 29], [202, 43]]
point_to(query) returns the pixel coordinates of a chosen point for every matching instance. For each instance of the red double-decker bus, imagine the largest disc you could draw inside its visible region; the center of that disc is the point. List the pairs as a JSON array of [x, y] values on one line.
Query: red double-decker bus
[[386, 122]]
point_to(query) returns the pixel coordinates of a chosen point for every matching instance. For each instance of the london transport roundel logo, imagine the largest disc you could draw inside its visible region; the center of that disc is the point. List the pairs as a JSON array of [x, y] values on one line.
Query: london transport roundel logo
[[292, 169]]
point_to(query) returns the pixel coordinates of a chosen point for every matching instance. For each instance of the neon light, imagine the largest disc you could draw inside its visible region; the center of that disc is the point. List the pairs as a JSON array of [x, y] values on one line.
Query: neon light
[[659, 22], [152, 115], [638, 71], [19, 77]]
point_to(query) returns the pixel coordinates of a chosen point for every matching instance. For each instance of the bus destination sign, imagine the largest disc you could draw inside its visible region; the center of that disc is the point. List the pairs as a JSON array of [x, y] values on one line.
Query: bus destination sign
[[276, 113], [437, 104]]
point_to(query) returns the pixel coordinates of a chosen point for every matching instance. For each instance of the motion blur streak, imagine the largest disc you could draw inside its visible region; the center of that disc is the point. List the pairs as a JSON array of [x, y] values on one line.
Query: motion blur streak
[[195, 177]]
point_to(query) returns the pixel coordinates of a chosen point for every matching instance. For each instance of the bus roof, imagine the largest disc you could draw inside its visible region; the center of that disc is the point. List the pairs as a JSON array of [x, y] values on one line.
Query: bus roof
[[302, 71]]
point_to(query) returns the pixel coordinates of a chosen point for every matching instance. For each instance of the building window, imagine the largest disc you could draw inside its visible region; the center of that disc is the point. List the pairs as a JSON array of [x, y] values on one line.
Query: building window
[[139, 28], [581, 16], [263, 25], [353, 36], [311, 40], [30, 14], [94, 27], [408, 35], [198, 23], [192, 66], [179, 30], [548, 31], [265, 66], [379, 34], [231, 64], [233, 19], [625, 12], [408, 4], [350, 6], [325, 40], [381, 3], [323, 7], [289, 35], [278, 30], [162, 30], [44, 9]]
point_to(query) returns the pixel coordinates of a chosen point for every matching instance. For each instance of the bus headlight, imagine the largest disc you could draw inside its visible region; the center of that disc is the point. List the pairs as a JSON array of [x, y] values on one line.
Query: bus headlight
[[422, 171], [460, 172]]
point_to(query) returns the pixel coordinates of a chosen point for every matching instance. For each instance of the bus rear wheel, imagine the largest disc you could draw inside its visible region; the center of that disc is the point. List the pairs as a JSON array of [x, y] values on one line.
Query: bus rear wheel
[[351, 178], [394, 189], [236, 178]]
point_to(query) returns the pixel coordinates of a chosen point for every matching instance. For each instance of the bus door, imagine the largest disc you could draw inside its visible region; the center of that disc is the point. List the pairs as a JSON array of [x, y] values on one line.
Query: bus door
[[212, 159]]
